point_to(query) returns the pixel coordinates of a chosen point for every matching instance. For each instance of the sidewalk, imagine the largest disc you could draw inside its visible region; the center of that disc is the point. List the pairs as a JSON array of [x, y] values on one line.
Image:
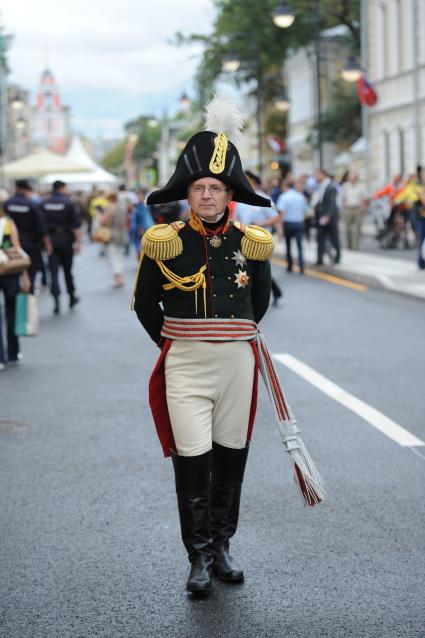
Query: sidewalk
[[376, 271]]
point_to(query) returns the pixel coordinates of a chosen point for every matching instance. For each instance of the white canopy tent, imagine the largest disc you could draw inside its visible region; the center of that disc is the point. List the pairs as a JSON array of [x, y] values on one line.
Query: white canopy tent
[[40, 164], [91, 173]]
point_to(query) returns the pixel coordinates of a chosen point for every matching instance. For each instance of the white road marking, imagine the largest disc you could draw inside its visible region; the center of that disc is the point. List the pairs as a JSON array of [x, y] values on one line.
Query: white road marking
[[379, 421]]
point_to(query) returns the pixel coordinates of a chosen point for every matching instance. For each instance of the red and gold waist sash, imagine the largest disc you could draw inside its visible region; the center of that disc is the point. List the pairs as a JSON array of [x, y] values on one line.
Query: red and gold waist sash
[[209, 329]]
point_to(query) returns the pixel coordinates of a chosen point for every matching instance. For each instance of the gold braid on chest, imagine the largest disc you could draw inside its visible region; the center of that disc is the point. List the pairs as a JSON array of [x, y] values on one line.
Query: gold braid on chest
[[189, 283]]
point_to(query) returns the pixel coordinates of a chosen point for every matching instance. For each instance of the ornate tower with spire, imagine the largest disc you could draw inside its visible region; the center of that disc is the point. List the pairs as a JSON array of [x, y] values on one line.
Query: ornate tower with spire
[[50, 117]]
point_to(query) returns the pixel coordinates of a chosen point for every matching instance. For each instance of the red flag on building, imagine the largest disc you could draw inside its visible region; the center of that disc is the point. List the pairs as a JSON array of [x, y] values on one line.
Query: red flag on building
[[276, 144], [366, 92]]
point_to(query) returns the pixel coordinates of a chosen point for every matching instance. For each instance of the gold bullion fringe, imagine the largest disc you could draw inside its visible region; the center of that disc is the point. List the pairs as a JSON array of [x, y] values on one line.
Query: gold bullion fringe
[[162, 250], [162, 242], [256, 248]]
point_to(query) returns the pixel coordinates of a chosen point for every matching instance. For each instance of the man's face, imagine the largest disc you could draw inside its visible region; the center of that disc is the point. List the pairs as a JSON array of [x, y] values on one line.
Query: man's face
[[208, 197]]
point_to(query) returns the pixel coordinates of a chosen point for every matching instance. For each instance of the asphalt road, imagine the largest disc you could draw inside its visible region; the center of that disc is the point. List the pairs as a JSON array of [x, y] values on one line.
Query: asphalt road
[[89, 532]]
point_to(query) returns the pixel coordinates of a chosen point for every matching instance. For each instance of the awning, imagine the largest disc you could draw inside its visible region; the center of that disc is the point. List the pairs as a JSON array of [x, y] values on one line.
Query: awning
[[40, 164]]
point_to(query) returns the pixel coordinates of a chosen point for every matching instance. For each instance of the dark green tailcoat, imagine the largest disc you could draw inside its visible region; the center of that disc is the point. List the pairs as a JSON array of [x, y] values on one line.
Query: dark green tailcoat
[[224, 297]]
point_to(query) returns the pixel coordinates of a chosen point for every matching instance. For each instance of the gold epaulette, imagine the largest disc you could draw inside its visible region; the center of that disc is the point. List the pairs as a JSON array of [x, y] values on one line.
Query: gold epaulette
[[257, 242], [162, 242]]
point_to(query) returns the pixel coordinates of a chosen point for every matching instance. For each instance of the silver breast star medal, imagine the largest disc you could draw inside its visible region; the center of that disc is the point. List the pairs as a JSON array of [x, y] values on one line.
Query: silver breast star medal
[[239, 258], [241, 279], [215, 241]]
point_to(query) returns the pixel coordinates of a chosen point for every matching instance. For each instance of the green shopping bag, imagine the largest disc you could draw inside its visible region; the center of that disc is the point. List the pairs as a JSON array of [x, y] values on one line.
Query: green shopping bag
[[26, 315]]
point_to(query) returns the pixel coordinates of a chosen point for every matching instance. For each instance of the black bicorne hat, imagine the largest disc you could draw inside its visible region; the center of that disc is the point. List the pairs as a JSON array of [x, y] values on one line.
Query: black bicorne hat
[[210, 154]]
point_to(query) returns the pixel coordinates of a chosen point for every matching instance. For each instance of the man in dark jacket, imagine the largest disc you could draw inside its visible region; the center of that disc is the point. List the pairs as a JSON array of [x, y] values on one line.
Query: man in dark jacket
[[327, 217], [31, 226], [64, 229]]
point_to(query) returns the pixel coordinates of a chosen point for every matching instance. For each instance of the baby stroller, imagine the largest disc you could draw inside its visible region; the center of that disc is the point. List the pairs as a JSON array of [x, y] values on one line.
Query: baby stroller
[[392, 232]]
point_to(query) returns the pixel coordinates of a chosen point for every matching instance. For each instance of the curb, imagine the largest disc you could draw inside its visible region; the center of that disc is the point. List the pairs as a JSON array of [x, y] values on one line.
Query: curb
[[367, 280], [371, 281]]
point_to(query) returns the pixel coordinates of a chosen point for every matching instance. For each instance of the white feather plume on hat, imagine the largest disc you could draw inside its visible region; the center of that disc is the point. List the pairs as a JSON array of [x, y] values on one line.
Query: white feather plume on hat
[[223, 115]]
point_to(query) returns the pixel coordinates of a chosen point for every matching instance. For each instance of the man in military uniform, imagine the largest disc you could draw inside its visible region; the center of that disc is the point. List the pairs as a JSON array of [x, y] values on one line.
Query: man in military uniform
[[202, 287], [31, 226], [64, 229]]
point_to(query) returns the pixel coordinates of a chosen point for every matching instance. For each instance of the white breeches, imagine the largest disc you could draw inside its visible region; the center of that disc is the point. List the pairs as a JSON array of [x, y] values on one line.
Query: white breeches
[[209, 390]]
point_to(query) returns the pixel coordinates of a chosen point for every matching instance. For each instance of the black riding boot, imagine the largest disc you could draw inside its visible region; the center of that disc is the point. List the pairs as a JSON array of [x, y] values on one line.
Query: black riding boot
[[193, 496], [228, 468]]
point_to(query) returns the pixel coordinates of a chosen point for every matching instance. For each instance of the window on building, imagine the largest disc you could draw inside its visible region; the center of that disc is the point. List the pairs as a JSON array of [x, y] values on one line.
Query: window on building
[[401, 151], [385, 156], [385, 23], [401, 40]]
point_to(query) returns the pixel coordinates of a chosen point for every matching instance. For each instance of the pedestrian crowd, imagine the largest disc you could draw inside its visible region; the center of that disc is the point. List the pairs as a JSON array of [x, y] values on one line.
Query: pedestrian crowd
[[48, 228], [322, 203], [404, 205], [39, 235]]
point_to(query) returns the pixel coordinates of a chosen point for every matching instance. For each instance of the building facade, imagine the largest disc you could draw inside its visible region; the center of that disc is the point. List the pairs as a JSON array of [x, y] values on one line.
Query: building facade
[[302, 82], [50, 119], [18, 122], [396, 68]]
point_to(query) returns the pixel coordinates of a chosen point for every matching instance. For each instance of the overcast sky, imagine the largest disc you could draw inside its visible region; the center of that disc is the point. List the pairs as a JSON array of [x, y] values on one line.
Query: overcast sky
[[112, 59]]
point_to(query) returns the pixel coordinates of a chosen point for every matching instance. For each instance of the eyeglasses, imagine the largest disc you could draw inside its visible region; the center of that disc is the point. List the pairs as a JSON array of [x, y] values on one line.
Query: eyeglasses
[[213, 190]]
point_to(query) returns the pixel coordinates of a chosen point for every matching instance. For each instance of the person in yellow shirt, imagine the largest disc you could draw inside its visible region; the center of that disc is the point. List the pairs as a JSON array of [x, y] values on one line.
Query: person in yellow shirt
[[97, 206], [420, 229], [410, 194], [411, 198], [10, 285]]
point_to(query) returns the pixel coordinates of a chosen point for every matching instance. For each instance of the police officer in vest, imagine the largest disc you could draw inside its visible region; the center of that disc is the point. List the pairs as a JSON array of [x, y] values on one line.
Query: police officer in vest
[[64, 229], [31, 226]]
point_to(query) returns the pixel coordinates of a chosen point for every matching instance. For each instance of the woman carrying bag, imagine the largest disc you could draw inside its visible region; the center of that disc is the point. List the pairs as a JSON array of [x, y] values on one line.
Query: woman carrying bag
[[10, 285], [114, 219]]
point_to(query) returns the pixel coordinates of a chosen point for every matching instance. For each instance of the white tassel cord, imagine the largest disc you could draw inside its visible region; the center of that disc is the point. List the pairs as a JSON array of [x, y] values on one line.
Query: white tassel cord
[[307, 478], [223, 115]]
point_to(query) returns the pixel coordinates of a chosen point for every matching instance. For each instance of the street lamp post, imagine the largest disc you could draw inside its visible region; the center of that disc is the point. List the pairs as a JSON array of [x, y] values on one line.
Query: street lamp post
[[351, 71], [283, 17], [365, 110], [318, 83], [282, 103], [260, 118], [130, 145], [231, 63]]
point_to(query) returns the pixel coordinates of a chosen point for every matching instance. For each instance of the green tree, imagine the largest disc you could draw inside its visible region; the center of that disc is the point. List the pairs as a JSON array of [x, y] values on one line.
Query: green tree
[[246, 28], [341, 123], [114, 159], [149, 134]]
